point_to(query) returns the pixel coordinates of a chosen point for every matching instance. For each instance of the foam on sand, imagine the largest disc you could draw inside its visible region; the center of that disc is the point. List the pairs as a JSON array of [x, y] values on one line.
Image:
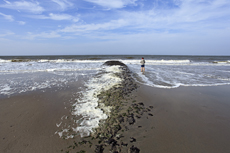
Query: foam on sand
[[87, 105]]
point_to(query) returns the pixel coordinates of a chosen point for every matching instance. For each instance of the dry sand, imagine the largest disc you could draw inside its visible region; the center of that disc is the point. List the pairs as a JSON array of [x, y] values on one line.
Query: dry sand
[[186, 119]]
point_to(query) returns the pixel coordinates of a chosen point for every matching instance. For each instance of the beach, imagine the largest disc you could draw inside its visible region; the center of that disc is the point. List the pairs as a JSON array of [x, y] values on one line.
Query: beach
[[185, 119], [88, 104], [29, 120]]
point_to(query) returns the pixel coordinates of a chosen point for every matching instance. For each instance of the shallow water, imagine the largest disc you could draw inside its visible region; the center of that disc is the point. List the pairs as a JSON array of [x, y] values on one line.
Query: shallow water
[[27, 73]]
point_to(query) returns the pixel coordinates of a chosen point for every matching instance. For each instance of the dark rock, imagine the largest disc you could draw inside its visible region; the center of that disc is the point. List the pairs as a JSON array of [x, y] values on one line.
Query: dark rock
[[150, 114], [132, 139], [82, 142], [111, 63], [151, 107], [110, 141], [116, 129], [141, 112], [113, 145], [130, 119], [133, 150], [138, 116], [141, 103], [107, 135], [99, 149], [124, 144]]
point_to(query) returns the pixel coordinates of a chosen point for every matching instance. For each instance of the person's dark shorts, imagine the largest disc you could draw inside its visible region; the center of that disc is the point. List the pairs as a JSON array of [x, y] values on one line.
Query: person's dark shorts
[[142, 65]]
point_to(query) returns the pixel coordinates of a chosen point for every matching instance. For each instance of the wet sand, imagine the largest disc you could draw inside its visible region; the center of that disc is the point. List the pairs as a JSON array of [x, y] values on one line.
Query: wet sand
[[28, 120], [186, 119]]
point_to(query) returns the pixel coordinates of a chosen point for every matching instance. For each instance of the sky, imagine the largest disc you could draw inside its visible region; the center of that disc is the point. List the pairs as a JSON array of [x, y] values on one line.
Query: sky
[[98, 27]]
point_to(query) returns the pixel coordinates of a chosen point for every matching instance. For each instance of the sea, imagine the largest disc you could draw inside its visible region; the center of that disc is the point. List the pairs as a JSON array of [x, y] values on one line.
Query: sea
[[27, 73], [20, 74]]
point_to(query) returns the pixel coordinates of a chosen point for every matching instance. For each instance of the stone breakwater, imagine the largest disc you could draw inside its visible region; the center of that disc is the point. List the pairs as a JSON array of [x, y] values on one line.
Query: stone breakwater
[[122, 110]]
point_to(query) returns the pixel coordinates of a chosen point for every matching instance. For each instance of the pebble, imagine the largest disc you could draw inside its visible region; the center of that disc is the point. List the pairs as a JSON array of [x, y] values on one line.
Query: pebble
[[133, 150], [132, 139]]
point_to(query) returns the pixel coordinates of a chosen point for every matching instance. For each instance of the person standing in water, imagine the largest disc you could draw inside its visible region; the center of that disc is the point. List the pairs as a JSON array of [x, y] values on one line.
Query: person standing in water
[[142, 65]]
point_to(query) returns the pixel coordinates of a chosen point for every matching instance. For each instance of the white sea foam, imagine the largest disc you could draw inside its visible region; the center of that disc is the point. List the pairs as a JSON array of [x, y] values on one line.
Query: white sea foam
[[28, 67], [58, 125], [178, 62], [5, 89], [158, 62], [169, 61], [160, 73], [61, 133], [34, 81], [87, 105], [173, 76], [43, 60], [222, 62], [50, 70], [42, 74], [4, 61]]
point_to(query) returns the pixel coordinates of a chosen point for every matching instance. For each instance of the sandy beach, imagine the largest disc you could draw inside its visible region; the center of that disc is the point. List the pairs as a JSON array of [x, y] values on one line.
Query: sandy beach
[[185, 119], [29, 120]]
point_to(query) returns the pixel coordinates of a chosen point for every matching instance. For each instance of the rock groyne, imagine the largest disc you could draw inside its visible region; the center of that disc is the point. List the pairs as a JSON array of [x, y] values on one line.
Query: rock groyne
[[122, 110]]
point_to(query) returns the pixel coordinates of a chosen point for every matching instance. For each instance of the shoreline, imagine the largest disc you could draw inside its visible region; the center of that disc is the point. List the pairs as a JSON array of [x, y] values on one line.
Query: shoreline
[[185, 119]]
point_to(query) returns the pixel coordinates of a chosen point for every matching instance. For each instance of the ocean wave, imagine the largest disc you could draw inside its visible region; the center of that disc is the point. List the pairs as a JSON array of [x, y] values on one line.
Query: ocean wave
[[14, 71], [221, 62], [126, 61], [4, 61], [149, 61], [170, 61], [52, 60], [205, 85], [177, 62]]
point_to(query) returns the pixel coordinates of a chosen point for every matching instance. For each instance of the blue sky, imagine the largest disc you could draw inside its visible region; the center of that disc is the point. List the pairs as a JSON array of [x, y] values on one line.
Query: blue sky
[[156, 27]]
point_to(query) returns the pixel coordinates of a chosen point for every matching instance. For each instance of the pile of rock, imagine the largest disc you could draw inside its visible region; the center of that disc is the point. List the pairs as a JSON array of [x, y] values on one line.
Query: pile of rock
[[122, 114]]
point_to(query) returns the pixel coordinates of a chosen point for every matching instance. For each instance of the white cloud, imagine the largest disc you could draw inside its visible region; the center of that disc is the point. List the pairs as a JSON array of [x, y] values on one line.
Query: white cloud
[[33, 7], [62, 17], [113, 24], [63, 4], [6, 34], [7, 1], [21, 22], [113, 4], [58, 17], [42, 35], [7, 17], [189, 17], [199, 10]]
